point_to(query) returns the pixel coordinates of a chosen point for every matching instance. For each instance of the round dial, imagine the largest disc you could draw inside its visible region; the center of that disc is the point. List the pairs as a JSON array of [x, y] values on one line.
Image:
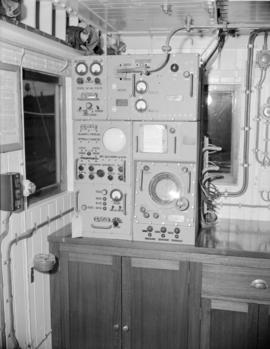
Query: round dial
[[165, 188], [141, 86], [81, 68], [96, 68], [114, 139], [116, 195], [141, 105], [182, 204]]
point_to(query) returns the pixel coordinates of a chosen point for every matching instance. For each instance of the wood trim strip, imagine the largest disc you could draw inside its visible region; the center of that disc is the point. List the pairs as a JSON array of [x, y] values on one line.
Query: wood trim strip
[[241, 307], [263, 327], [205, 323], [90, 258], [55, 290], [64, 281], [154, 264], [126, 301], [252, 332], [194, 300], [117, 281]]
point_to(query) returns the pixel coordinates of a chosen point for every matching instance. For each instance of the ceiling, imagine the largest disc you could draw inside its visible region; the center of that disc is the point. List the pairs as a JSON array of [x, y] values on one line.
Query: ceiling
[[160, 16]]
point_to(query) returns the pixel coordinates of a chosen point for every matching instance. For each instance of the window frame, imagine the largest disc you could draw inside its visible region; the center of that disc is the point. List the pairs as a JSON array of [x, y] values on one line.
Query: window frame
[[60, 140], [230, 178]]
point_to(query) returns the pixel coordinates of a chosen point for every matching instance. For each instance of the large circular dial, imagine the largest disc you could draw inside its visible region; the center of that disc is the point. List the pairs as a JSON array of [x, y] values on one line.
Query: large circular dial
[[141, 105], [141, 86], [165, 188], [81, 68], [96, 68], [114, 139]]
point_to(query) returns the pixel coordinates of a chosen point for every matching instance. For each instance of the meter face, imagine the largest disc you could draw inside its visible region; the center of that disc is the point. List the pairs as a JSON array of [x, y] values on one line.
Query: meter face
[[81, 68]]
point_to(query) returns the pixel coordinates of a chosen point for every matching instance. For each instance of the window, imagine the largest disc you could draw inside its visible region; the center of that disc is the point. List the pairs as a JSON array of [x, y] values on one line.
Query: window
[[222, 127], [43, 132]]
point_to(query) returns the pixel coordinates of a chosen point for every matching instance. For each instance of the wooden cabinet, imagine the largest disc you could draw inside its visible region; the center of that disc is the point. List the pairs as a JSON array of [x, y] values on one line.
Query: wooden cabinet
[[114, 302], [158, 304], [91, 287], [109, 294], [232, 316]]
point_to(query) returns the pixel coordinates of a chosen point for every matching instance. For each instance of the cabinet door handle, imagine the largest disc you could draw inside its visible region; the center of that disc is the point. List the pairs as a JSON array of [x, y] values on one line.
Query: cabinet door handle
[[259, 284], [125, 328], [116, 327]]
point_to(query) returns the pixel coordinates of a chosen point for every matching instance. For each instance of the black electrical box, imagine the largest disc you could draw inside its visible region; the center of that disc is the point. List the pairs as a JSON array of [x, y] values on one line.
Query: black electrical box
[[11, 196]]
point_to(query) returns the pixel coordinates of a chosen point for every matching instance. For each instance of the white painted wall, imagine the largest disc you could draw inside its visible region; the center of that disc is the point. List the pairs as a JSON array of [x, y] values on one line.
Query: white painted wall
[[32, 300]]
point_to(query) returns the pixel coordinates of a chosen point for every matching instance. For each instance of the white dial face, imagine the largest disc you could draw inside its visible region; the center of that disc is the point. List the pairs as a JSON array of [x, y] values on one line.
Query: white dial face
[[141, 105], [116, 195], [81, 68], [141, 86], [96, 68], [114, 140]]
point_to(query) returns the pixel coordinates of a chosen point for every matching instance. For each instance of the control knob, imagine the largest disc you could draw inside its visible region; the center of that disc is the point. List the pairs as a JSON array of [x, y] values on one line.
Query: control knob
[[182, 204], [100, 173], [141, 86], [116, 195], [141, 105]]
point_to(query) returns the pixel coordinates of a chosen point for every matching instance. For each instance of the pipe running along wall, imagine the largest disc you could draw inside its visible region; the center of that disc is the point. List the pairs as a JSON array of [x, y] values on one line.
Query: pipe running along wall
[[262, 156], [252, 37], [29, 233]]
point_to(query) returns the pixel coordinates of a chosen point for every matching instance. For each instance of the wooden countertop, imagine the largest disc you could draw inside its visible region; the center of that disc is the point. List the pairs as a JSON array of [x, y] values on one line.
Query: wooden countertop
[[212, 243]]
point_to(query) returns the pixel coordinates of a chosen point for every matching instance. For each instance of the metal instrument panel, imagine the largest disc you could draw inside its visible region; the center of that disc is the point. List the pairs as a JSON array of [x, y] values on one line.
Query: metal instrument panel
[[168, 94], [137, 171]]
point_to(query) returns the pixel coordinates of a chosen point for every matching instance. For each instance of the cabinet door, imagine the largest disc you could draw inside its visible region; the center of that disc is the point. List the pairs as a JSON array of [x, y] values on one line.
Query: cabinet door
[[157, 308], [91, 289], [263, 327], [234, 325]]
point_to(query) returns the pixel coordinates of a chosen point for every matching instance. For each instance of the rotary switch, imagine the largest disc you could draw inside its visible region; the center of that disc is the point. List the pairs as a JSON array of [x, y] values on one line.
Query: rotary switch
[[141, 105], [182, 204], [141, 86], [116, 195]]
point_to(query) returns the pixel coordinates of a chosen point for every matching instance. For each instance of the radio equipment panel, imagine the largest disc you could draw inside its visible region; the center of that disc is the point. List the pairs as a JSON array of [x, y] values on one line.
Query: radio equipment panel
[[165, 202], [89, 88], [136, 144], [168, 94], [103, 177]]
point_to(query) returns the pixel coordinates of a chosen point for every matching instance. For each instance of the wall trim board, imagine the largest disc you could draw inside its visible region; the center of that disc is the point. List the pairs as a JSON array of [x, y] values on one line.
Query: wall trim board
[[22, 38]]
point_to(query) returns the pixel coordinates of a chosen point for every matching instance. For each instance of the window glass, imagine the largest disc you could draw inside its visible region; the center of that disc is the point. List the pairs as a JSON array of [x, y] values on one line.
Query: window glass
[[42, 131], [222, 126]]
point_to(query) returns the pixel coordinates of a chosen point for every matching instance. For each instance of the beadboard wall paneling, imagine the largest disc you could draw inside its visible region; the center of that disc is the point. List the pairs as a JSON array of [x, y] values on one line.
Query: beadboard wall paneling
[[31, 297]]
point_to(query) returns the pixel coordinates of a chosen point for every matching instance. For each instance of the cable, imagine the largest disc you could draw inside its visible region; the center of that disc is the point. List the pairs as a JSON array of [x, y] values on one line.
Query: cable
[[6, 222], [165, 48], [218, 47], [25, 235], [265, 44], [43, 340]]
